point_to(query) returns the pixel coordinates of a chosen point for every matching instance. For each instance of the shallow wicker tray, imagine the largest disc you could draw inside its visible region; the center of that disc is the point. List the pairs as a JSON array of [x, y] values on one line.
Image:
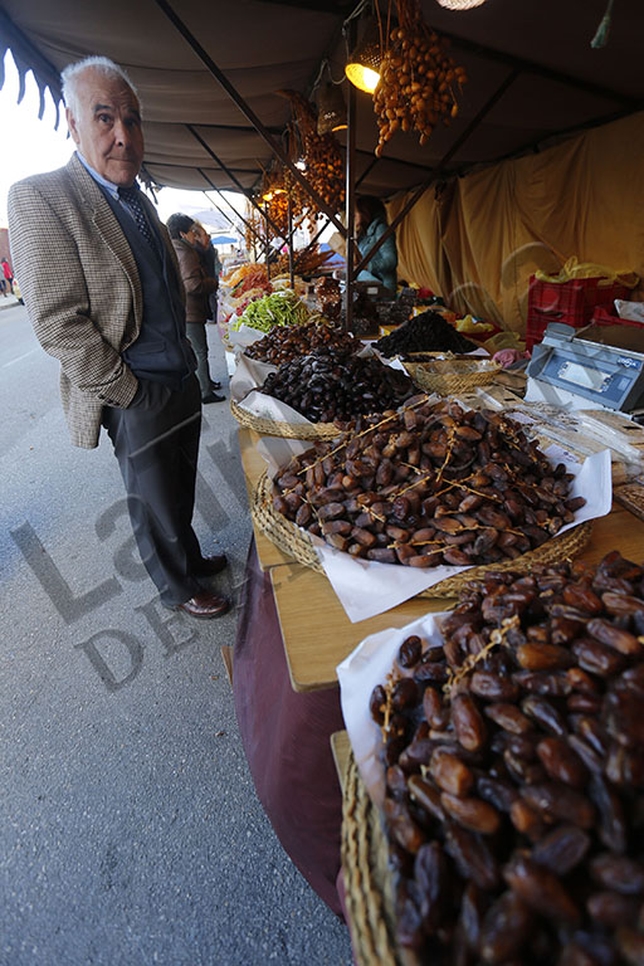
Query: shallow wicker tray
[[274, 427], [294, 543], [447, 377]]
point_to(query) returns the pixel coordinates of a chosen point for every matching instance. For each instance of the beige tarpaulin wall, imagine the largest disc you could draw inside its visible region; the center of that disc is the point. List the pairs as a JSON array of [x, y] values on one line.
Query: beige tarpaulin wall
[[477, 241]]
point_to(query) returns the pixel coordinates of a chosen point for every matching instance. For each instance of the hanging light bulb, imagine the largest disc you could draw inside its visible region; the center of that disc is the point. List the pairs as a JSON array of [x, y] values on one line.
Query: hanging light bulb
[[460, 4], [363, 66]]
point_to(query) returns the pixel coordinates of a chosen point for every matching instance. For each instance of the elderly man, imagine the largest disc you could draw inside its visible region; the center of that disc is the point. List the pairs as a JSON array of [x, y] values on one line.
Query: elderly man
[[103, 290]]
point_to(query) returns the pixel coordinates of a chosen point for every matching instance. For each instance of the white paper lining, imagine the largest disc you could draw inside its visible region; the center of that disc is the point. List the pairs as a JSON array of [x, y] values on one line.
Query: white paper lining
[[368, 665]]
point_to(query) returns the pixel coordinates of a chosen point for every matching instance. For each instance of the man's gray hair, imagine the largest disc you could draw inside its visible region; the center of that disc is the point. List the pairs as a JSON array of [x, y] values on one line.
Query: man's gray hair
[[70, 77]]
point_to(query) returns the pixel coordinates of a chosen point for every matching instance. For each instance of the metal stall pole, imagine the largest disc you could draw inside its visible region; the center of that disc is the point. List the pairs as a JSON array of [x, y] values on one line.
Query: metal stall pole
[[349, 191], [291, 269]]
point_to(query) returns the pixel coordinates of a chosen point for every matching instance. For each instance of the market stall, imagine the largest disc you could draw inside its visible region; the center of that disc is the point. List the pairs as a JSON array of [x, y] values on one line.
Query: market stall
[[285, 684], [549, 124], [536, 165], [307, 632]]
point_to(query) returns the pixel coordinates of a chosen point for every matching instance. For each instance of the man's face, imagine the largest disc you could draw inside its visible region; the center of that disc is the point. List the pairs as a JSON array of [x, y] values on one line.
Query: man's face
[[200, 234], [107, 129]]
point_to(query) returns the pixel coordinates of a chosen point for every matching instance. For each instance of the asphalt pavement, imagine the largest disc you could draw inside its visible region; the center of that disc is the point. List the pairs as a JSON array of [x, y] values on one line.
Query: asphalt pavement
[[131, 833]]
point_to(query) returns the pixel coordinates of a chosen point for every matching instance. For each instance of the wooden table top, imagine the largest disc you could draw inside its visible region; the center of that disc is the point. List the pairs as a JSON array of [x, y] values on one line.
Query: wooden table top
[[318, 635]]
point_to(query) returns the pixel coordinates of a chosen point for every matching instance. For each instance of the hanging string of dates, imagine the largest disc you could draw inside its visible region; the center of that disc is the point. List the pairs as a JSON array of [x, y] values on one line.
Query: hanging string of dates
[[321, 154], [419, 79]]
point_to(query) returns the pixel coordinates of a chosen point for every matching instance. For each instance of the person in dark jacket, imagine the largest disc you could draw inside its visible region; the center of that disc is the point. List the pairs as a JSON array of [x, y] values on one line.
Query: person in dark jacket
[[211, 264], [198, 286]]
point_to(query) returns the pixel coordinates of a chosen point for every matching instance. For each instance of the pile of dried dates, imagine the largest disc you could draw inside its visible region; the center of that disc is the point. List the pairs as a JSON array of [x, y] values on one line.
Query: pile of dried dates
[[284, 343], [514, 760], [329, 297], [330, 384], [426, 332], [431, 484]]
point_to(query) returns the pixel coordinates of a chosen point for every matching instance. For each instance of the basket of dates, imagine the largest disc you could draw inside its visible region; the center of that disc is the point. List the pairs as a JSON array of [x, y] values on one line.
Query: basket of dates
[[513, 763]]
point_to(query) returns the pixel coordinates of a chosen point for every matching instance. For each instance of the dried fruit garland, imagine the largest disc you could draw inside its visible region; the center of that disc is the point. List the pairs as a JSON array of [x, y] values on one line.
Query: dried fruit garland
[[418, 78], [308, 261], [325, 169], [279, 190]]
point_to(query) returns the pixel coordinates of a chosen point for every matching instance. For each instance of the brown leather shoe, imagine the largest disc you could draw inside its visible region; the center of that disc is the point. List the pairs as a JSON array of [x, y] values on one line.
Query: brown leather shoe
[[209, 566], [205, 606]]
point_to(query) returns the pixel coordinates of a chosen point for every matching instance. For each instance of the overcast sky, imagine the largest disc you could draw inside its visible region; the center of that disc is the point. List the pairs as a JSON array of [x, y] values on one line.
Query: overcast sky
[[30, 146]]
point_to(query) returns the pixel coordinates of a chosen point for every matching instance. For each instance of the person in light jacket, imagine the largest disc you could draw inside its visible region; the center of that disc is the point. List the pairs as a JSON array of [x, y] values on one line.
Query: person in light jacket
[[370, 225]]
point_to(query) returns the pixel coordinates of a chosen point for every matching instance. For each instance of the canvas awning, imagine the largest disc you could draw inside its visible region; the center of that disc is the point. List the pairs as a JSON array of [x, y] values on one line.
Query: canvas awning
[[533, 78]]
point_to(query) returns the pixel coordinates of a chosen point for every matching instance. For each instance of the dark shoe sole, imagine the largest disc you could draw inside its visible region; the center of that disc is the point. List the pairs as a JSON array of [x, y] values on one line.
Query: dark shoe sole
[[204, 615]]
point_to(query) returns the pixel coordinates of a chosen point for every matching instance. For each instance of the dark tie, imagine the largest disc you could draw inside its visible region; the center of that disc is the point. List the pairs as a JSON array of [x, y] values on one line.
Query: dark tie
[[131, 198]]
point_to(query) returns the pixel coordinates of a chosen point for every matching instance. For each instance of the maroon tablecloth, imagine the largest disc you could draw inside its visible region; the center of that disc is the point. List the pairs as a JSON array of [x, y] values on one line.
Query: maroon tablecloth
[[286, 738]]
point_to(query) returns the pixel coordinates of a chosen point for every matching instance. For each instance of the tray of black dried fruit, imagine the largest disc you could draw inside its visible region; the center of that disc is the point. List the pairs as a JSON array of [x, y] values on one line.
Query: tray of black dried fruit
[[426, 332]]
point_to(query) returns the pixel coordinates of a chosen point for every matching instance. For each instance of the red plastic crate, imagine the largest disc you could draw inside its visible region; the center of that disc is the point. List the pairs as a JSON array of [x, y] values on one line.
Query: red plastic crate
[[602, 316], [572, 303]]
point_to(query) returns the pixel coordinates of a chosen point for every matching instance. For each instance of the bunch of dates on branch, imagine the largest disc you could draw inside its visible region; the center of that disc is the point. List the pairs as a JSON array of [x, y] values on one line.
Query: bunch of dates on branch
[[419, 79], [427, 485], [514, 762], [332, 383]]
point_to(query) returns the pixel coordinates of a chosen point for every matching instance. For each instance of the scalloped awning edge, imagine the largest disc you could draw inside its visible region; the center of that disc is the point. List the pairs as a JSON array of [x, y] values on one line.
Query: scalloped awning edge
[[27, 58]]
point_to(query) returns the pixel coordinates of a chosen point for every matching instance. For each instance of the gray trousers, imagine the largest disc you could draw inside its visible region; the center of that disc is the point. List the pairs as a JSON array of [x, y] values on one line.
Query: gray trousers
[[196, 332], [157, 452]]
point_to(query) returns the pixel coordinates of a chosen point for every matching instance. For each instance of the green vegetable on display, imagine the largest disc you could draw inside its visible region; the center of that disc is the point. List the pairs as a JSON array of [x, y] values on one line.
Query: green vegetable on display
[[278, 309]]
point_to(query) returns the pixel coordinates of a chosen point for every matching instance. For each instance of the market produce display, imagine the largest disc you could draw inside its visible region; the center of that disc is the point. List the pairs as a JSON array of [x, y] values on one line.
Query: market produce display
[[418, 78], [426, 332], [277, 309], [244, 285], [246, 276], [432, 484], [330, 384], [514, 764], [306, 261], [282, 345]]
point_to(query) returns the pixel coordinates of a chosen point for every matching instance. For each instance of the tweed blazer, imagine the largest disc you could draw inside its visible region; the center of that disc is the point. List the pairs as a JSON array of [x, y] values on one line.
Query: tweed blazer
[[81, 287]]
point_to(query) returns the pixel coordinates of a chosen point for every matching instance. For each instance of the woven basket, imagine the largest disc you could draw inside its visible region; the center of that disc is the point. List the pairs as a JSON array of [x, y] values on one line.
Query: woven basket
[[631, 496], [366, 876], [447, 377], [294, 543], [274, 427]]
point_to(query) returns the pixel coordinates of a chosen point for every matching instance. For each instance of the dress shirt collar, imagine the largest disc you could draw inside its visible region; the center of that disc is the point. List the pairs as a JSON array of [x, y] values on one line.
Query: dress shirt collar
[[111, 189]]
